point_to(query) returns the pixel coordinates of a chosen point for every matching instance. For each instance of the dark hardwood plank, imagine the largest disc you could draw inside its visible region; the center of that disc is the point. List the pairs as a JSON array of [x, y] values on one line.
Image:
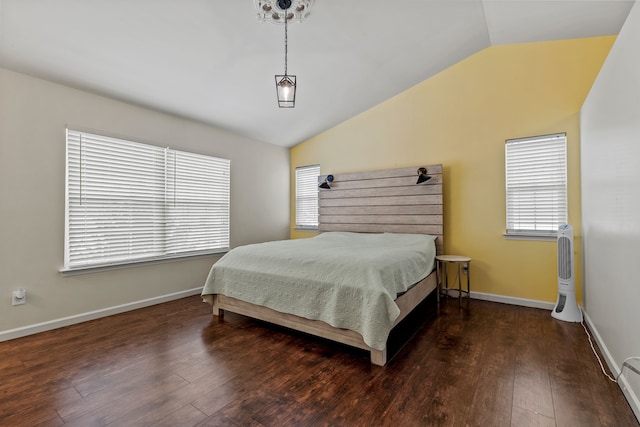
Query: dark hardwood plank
[[186, 415], [524, 418], [174, 364], [532, 386]]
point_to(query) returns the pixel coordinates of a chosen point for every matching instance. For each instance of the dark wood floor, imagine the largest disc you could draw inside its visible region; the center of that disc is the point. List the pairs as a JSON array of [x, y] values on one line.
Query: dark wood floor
[[175, 365]]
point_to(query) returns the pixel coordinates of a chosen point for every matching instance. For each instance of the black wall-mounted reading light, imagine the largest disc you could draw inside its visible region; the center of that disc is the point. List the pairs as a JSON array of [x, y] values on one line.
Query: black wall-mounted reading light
[[326, 182], [422, 176]]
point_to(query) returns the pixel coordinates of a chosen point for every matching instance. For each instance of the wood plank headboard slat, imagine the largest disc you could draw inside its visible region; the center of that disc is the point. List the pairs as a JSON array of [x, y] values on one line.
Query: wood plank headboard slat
[[409, 189], [382, 210], [429, 199]]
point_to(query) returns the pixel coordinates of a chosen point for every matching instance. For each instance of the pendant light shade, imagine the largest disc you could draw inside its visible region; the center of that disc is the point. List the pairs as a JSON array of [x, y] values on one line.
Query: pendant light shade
[[286, 88]]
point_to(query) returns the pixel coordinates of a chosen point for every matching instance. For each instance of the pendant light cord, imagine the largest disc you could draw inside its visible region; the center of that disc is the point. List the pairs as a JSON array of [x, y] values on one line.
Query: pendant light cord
[[285, 42]]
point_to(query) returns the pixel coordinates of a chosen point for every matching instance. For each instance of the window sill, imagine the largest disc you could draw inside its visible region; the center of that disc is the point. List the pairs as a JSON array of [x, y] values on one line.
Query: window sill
[[531, 236], [298, 228], [74, 271]]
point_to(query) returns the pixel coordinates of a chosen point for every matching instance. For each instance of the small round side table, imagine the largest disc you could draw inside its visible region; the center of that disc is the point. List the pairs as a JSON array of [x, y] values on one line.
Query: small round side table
[[461, 262]]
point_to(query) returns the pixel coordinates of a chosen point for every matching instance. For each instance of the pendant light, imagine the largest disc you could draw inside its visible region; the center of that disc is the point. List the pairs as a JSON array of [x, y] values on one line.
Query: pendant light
[[285, 83]]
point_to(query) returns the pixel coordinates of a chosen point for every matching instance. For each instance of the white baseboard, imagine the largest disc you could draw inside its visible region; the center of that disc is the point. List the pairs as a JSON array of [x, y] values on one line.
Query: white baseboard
[[79, 318], [513, 301], [624, 385]]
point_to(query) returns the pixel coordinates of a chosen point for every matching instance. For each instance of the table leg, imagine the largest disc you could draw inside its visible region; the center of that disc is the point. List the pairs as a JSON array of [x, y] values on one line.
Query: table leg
[[438, 282], [459, 284], [468, 284], [446, 279]]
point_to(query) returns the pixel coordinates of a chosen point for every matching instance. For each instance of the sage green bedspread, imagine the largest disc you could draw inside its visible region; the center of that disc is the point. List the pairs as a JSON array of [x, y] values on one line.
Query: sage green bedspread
[[348, 280]]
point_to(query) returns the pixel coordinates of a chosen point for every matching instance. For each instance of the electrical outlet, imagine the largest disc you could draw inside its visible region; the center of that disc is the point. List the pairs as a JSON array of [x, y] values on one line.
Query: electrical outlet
[[465, 269], [19, 297]]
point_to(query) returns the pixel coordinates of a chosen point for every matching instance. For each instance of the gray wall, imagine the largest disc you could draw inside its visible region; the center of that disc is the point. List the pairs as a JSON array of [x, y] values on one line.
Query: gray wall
[[610, 151], [33, 116]]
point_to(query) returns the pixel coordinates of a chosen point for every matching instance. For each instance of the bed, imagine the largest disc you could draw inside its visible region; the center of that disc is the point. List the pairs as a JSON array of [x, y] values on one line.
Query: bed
[[380, 217]]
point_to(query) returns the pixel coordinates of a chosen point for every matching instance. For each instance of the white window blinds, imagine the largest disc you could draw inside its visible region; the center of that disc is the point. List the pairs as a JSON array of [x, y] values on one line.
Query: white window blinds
[[536, 177], [307, 196], [130, 202]]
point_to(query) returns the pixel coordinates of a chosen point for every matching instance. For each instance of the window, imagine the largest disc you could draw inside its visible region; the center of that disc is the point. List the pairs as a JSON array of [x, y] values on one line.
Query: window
[[307, 197], [130, 202], [536, 176]]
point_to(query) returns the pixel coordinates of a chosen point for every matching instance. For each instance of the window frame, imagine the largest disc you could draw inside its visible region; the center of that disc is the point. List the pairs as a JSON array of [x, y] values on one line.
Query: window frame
[[309, 182], [552, 187], [100, 174]]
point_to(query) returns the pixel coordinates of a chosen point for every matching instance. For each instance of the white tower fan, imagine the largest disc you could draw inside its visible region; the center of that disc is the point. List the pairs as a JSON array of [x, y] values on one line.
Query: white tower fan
[[566, 308]]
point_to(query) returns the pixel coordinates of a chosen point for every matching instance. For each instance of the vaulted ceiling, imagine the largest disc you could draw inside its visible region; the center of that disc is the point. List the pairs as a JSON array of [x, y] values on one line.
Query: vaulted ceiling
[[213, 61]]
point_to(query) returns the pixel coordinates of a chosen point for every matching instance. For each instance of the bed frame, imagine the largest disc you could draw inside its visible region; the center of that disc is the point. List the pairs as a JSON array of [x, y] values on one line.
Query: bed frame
[[369, 202]]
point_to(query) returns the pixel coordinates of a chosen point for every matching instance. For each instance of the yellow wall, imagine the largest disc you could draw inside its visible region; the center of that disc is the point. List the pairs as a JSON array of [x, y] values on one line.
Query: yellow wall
[[461, 118]]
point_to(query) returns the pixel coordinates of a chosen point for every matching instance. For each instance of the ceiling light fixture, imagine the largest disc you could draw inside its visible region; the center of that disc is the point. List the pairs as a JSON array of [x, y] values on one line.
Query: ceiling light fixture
[[285, 83], [271, 11]]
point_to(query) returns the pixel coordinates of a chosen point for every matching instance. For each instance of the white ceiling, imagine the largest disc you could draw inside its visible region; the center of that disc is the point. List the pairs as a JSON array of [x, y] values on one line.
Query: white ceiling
[[213, 61]]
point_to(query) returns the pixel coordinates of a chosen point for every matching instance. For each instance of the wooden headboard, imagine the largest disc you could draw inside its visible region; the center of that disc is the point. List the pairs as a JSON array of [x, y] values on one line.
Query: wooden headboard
[[384, 201]]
